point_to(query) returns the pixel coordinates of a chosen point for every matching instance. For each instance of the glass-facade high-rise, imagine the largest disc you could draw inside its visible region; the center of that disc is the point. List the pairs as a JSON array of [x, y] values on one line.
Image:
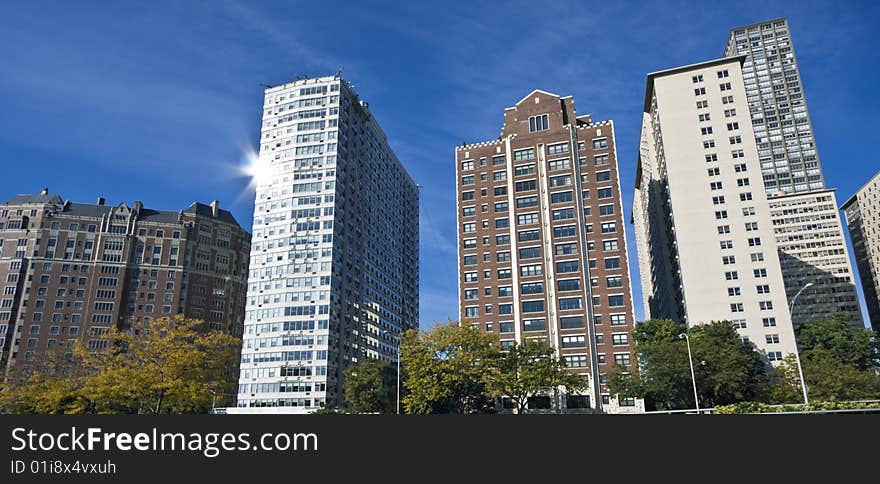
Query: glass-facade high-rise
[[334, 260]]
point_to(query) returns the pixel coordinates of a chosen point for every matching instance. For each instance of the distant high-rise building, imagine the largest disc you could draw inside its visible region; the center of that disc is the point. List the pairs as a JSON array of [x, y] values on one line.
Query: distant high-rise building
[[703, 225], [806, 224], [74, 271], [863, 218], [335, 259], [542, 250]]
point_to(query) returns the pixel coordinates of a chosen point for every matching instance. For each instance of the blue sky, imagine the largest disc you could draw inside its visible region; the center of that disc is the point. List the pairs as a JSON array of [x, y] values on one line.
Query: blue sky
[[158, 101]]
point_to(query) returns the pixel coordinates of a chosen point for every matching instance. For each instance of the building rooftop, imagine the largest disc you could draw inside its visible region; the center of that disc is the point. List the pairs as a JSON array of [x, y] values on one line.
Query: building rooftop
[[99, 209]]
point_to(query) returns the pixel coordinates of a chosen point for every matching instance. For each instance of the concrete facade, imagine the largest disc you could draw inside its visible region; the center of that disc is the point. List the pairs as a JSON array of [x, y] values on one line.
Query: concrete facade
[[703, 227], [863, 219]]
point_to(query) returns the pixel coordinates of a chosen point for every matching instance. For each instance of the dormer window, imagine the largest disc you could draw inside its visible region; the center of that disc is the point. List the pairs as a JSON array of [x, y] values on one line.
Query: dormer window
[[538, 123]]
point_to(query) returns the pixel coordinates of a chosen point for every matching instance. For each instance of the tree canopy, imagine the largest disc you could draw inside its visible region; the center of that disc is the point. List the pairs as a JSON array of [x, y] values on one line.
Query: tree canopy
[[169, 365], [370, 387]]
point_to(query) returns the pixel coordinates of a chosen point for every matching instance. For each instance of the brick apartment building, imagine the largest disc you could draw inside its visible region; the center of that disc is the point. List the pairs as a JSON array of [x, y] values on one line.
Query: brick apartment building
[[542, 249], [72, 271]]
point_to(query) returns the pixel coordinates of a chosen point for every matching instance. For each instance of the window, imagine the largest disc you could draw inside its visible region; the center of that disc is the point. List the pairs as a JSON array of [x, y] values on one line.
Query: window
[[716, 185], [470, 294], [765, 305], [719, 200], [769, 322], [619, 339], [731, 275], [567, 231], [499, 191], [763, 288], [771, 338], [759, 273], [556, 165], [705, 131], [524, 154], [527, 235], [561, 197], [711, 157], [557, 148], [501, 223], [560, 181], [621, 359], [751, 226], [525, 185], [504, 291], [609, 227], [609, 245], [496, 160], [612, 263], [467, 180], [525, 202], [600, 143], [724, 229], [468, 211], [469, 227], [530, 253], [527, 219], [530, 270], [742, 182], [774, 355], [604, 193], [714, 171], [467, 195], [467, 165], [728, 259], [698, 78], [702, 104], [615, 300], [569, 284], [709, 144], [563, 214], [603, 175], [734, 291], [470, 260], [568, 303], [502, 239], [575, 361], [732, 126], [577, 341], [725, 86], [571, 322], [745, 196], [614, 281], [471, 311], [704, 117], [538, 123], [505, 327], [726, 244], [533, 306], [736, 308], [504, 274], [700, 91], [720, 214], [534, 325], [723, 73], [501, 207], [565, 267], [532, 288], [524, 169], [499, 175], [754, 242], [618, 320]]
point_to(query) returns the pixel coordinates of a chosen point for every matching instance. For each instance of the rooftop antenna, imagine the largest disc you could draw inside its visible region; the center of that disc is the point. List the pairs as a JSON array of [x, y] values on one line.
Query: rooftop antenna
[[339, 71]]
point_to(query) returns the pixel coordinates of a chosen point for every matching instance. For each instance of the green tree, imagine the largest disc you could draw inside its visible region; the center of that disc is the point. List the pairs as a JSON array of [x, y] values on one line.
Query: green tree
[[447, 369], [726, 370], [663, 379], [525, 369], [164, 366], [370, 387], [854, 346]]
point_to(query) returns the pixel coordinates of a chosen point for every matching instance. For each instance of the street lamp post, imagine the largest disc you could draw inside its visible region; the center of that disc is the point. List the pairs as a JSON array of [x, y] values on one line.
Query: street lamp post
[[797, 355], [691, 362]]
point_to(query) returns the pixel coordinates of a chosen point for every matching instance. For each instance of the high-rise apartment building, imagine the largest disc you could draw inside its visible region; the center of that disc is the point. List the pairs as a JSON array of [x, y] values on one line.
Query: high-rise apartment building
[[334, 270], [808, 229], [74, 271], [863, 219], [542, 250], [703, 226]]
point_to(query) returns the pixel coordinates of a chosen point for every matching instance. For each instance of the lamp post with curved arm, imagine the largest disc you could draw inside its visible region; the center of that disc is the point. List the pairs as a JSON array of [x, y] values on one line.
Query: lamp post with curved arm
[[797, 355], [685, 337]]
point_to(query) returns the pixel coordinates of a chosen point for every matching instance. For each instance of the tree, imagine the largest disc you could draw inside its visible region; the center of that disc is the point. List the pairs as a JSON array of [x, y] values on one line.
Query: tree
[[726, 370], [447, 369], [664, 375], [847, 344], [839, 362], [525, 369], [369, 387], [164, 366]]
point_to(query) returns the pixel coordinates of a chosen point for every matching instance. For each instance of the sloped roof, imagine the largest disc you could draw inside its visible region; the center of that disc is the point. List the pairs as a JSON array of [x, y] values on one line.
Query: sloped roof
[[33, 199]]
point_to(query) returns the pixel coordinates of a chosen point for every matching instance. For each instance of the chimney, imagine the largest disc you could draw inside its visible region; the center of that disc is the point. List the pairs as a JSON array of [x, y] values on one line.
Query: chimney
[[100, 200], [215, 207], [138, 206], [45, 191]]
